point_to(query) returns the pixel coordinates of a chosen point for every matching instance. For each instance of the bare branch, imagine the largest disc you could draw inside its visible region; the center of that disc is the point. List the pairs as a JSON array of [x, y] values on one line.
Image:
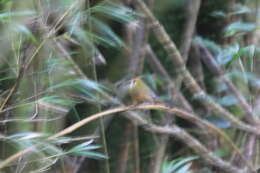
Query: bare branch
[[190, 25], [174, 131], [209, 60], [189, 81]]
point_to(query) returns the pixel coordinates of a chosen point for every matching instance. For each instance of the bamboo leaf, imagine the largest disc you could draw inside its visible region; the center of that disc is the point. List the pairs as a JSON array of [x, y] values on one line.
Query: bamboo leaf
[[92, 155], [239, 28], [211, 45], [58, 100], [116, 12], [184, 169], [85, 148], [218, 122], [7, 15], [24, 30], [177, 165], [106, 33], [240, 9], [219, 14]]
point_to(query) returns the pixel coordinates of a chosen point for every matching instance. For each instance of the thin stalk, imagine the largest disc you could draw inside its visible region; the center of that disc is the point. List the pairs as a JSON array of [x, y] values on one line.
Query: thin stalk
[[101, 120], [192, 11], [124, 149]]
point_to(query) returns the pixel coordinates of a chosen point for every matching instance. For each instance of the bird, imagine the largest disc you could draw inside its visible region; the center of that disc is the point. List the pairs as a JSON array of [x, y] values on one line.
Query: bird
[[137, 91]]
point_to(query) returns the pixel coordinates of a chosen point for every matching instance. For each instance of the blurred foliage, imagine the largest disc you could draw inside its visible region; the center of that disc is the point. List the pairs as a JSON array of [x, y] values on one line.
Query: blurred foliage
[[74, 54], [181, 165]]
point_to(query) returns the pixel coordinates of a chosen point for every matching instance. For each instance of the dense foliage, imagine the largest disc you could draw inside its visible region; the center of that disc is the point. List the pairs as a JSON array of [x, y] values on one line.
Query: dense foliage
[[129, 86]]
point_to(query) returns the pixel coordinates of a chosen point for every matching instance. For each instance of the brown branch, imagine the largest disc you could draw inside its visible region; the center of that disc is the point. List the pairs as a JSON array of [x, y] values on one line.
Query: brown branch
[[158, 67], [155, 63], [189, 81], [174, 130], [157, 159], [136, 148], [189, 28], [195, 67], [192, 11], [136, 38], [135, 50], [209, 157], [249, 147], [71, 59], [124, 149], [209, 60]]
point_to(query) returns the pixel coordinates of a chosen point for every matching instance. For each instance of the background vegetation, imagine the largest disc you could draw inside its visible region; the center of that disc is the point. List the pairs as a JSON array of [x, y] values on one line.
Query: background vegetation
[[129, 86]]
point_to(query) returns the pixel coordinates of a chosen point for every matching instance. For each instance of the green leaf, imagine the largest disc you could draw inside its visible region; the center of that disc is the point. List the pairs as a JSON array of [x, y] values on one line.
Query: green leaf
[[99, 39], [24, 30], [181, 162], [68, 83], [253, 79], [24, 135], [116, 12], [85, 148], [92, 85], [184, 169], [88, 87], [219, 122], [219, 14], [227, 55], [239, 28], [245, 51], [7, 78], [106, 33], [241, 9], [16, 14], [92, 155], [177, 164], [211, 45], [228, 100], [58, 100], [220, 153], [75, 22]]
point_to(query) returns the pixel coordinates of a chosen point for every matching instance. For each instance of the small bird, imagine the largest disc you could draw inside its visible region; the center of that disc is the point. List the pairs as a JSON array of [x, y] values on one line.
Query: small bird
[[137, 91]]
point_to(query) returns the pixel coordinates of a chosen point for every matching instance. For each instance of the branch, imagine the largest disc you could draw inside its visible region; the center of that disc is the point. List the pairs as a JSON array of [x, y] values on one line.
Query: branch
[[209, 60], [174, 131], [156, 64], [189, 81], [123, 151], [156, 161], [209, 157], [190, 25]]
